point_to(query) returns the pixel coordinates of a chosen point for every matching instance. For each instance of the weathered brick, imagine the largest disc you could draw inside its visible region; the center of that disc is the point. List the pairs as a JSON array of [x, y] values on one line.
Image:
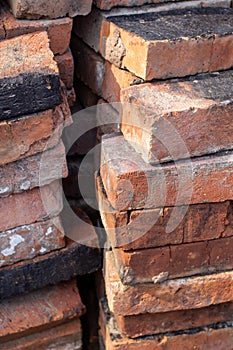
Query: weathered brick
[[84, 94], [147, 324], [189, 107], [30, 206], [73, 260], [141, 229], [62, 337], [203, 338], [174, 261], [39, 310], [107, 5], [130, 183], [26, 242], [66, 68], [102, 77], [38, 170], [59, 30], [178, 294], [30, 9], [143, 40], [30, 87]]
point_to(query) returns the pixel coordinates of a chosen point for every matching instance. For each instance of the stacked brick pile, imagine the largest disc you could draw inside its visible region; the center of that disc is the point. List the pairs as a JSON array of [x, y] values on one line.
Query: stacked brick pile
[[40, 304], [165, 183]]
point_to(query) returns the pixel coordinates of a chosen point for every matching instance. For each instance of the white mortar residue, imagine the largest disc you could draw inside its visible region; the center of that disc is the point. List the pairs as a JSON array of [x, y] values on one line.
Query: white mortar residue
[[14, 241]]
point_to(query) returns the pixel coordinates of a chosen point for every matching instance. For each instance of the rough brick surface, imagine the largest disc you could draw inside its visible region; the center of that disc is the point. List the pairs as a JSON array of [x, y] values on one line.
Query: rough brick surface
[[62, 265], [66, 68], [179, 294], [38, 170], [42, 9], [197, 111], [59, 30], [66, 336], [26, 242], [130, 183], [39, 309], [33, 86], [143, 229], [215, 337], [193, 46], [30, 206], [174, 261], [147, 324], [102, 77]]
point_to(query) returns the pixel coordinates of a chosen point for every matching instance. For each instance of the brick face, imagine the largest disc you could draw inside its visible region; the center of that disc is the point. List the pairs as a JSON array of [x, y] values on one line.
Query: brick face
[[179, 294], [131, 183]]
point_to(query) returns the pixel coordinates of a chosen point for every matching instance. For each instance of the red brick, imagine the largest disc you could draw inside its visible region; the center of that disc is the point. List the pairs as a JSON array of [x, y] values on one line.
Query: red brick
[[174, 261], [62, 337], [30, 206], [130, 183], [143, 229], [66, 68], [39, 310], [102, 77], [38, 170], [26, 242], [29, 9], [200, 339], [187, 52], [172, 295], [59, 30], [158, 117]]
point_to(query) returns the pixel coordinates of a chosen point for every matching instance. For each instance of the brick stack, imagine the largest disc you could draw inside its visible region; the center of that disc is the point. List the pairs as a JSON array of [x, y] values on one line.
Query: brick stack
[[38, 309], [168, 280]]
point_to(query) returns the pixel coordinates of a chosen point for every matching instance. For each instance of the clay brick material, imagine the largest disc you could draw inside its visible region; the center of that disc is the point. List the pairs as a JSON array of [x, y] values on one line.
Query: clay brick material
[[66, 68], [172, 295], [141, 229], [174, 261], [38, 170], [30, 87], [215, 337], [140, 42], [29, 9], [24, 137], [147, 324], [73, 260], [30, 206], [62, 337], [130, 183], [26, 242], [59, 30], [196, 112], [107, 5], [40, 310], [102, 77]]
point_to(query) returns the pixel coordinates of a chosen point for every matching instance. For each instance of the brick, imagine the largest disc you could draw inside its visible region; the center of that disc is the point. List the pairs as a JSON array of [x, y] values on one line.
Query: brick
[[33, 86], [66, 68], [71, 97], [38, 170], [30, 206], [84, 94], [203, 338], [102, 77], [108, 119], [59, 30], [28, 9], [40, 310], [26, 242], [107, 5], [172, 295], [29, 135], [52, 268], [174, 261], [141, 229], [147, 324], [188, 107], [62, 337], [144, 40], [130, 183]]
